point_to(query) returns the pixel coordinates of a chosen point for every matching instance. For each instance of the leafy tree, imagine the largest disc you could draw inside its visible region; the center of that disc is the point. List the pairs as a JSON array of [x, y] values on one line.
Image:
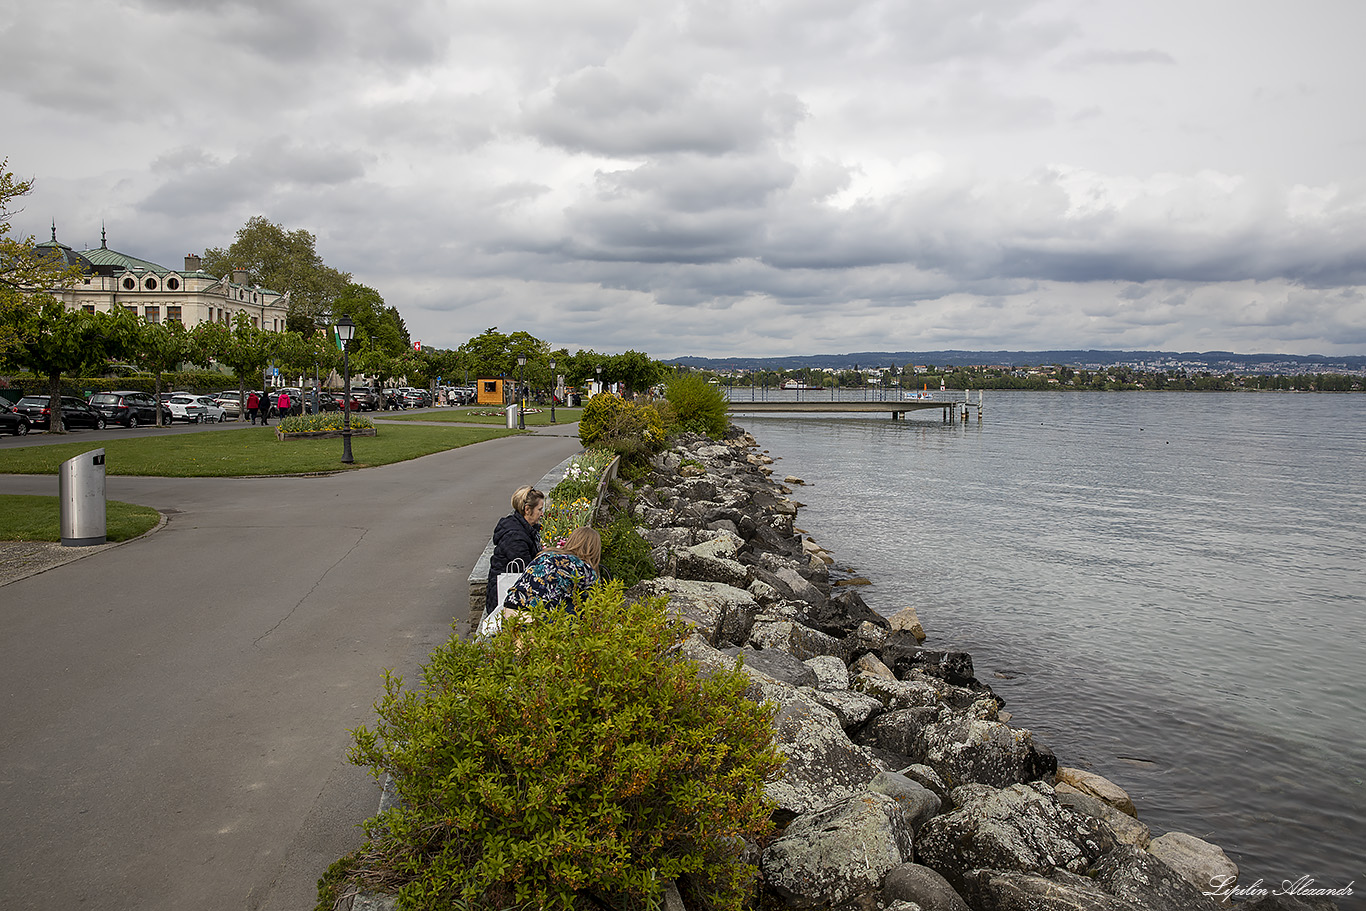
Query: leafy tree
[[22, 270], [245, 348], [159, 348], [697, 406], [282, 261], [52, 341], [638, 371], [378, 327]]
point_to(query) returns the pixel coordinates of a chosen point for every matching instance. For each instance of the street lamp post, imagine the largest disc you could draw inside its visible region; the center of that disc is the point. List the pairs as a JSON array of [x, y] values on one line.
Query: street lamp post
[[599, 369], [554, 388], [521, 392], [346, 330]]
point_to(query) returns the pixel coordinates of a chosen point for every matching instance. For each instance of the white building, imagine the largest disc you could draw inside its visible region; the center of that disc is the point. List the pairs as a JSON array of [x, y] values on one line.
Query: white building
[[155, 293]]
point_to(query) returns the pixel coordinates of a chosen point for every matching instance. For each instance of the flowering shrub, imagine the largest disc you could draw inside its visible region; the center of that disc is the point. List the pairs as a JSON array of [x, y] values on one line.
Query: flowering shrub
[[634, 432], [561, 518], [582, 477], [582, 760], [322, 423]]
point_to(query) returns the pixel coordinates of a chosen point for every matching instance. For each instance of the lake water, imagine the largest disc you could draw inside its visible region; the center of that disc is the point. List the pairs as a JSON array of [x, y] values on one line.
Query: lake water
[[1168, 589]]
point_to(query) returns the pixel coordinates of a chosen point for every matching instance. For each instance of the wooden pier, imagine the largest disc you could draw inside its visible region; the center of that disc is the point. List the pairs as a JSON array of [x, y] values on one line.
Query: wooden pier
[[951, 404]]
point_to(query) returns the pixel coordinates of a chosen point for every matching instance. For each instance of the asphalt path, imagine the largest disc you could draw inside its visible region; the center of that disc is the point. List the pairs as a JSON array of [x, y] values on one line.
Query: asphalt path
[[176, 709]]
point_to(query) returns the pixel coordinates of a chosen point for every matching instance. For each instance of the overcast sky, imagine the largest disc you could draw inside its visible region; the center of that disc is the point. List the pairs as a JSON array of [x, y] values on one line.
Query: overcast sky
[[714, 177]]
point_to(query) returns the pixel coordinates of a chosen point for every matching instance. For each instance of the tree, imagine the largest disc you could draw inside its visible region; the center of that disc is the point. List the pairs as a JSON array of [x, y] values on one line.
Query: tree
[[245, 348], [22, 270], [285, 261], [378, 326], [51, 341], [157, 348], [634, 368]]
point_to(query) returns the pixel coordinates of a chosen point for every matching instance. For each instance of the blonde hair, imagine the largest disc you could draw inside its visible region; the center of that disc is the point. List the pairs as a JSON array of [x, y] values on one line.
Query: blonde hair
[[584, 543], [524, 498]]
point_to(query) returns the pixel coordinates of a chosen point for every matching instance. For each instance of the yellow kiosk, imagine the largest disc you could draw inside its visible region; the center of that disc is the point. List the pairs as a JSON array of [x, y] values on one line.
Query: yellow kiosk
[[490, 392]]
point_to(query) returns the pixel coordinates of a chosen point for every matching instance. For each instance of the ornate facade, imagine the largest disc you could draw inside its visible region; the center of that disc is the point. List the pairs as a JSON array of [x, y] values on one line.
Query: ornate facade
[[190, 296]]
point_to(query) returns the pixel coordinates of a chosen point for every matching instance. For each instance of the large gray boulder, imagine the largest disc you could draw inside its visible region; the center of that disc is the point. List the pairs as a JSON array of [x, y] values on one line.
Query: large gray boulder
[[721, 613], [779, 665], [1134, 874], [703, 568], [1126, 829], [899, 730], [839, 854], [963, 748], [796, 639], [919, 884], [917, 802], [823, 765], [852, 709], [1018, 829], [998, 890], [831, 672], [1202, 864]]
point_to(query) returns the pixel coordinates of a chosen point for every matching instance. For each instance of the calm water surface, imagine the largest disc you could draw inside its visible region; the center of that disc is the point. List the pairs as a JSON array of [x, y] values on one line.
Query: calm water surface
[[1169, 589]]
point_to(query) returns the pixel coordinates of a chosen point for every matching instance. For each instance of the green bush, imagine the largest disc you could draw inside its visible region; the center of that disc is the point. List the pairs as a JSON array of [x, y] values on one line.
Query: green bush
[[625, 554], [580, 756], [582, 477], [634, 432], [697, 406], [328, 421]]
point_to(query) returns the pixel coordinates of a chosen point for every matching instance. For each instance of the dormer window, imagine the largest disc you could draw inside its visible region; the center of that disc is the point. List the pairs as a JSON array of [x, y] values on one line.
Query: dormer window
[[150, 284], [130, 283], [173, 283]]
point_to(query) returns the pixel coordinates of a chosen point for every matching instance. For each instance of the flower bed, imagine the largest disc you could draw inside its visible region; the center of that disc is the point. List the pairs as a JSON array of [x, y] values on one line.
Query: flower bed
[[321, 427]]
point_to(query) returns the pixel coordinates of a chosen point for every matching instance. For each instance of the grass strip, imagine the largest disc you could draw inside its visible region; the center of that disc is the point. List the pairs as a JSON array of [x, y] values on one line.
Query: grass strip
[[245, 453], [37, 518], [484, 415]]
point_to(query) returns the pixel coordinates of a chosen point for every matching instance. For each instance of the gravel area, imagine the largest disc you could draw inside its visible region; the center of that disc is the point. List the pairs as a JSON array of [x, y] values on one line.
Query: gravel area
[[21, 559]]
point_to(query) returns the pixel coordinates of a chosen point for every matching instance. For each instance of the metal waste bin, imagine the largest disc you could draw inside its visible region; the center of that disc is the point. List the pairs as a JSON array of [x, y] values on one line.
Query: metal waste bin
[[80, 488], [513, 414]]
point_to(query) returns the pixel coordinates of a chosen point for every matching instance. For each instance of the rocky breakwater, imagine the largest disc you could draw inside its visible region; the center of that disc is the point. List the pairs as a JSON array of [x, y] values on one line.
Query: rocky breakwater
[[905, 786]]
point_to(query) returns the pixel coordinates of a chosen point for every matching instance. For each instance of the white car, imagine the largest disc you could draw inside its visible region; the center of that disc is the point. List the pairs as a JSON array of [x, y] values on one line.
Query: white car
[[185, 408], [213, 412]]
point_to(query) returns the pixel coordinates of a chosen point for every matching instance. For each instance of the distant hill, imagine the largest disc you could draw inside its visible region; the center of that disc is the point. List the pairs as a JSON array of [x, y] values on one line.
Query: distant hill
[[1222, 361]]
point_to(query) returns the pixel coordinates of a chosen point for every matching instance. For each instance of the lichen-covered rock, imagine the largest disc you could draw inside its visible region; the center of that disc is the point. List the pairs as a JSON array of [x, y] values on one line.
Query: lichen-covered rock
[[823, 765], [842, 613], [929, 779], [721, 613], [1126, 829], [917, 802], [1134, 874], [900, 694], [919, 884], [722, 545], [1018, 829], [1200, 863], [899, 730], [838, 854], [994, 890], [907, 620], [903, 654], [852, 709], [1102, 789], [831, 673], [795, 639], [963, 748], [776, 663], [871, 666], [701, 568]]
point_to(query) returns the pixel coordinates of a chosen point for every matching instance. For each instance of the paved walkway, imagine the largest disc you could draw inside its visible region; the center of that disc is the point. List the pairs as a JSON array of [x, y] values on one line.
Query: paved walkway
[[175, 709]]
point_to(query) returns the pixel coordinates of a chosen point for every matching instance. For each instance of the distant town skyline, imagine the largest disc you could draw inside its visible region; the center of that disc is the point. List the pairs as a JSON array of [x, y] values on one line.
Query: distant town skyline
[[690, 178]]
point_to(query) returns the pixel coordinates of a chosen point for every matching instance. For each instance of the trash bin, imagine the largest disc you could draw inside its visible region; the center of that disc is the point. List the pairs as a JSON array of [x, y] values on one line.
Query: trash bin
[[80, 488], [513, 415]]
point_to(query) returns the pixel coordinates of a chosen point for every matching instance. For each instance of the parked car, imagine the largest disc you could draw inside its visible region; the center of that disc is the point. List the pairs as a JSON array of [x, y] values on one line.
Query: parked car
[[213, 412], [369, 401], [326, 402], [184, 408], [230, 403], [127, 407], [12, 421], [416, 398], [75, 412]]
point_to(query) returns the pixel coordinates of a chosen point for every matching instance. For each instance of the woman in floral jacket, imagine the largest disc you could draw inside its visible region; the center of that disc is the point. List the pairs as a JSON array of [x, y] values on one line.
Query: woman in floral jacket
[[559, 576]]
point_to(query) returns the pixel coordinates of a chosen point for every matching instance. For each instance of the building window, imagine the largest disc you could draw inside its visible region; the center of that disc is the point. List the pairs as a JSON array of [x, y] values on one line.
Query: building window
[[173, 283], [88, 308], [150, 284], [172, 312], [130, 283], [131, 308], [153, 314]]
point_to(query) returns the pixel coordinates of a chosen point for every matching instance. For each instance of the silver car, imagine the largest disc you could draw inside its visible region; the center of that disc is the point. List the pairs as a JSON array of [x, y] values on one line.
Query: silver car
[[184, 408]]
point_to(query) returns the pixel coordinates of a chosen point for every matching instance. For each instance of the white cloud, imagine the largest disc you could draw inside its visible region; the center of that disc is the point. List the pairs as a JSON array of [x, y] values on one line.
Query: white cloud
[[703, 177]]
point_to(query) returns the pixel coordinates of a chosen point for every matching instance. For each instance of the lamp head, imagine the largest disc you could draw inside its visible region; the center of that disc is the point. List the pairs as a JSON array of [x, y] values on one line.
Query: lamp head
[[346, 329], [521, 360]]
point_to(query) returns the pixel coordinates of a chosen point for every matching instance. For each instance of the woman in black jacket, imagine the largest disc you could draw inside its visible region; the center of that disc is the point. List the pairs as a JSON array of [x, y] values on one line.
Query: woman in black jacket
[[516, 537]]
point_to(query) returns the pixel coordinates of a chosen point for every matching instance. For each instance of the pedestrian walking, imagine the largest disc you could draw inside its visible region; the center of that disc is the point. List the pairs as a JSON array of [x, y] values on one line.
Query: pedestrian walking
[[253, 404], [284, 403], [265, 408]]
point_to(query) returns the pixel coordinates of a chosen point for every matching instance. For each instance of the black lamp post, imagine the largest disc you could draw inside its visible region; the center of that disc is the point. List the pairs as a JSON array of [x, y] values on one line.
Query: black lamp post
[[554, 388], [521, 392], [346, 330], [599, 369]]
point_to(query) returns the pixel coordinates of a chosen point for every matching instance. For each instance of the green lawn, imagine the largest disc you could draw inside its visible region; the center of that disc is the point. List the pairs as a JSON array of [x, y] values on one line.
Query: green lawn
[[245, 453], [32, 518], [485, 415]]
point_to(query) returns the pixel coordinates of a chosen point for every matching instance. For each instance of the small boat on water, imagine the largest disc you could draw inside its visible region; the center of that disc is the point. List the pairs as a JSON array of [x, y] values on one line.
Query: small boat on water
[[793, 384]]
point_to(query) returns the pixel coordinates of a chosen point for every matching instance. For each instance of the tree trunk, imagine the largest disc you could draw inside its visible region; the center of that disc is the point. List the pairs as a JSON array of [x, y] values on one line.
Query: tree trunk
[[54, 389]]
